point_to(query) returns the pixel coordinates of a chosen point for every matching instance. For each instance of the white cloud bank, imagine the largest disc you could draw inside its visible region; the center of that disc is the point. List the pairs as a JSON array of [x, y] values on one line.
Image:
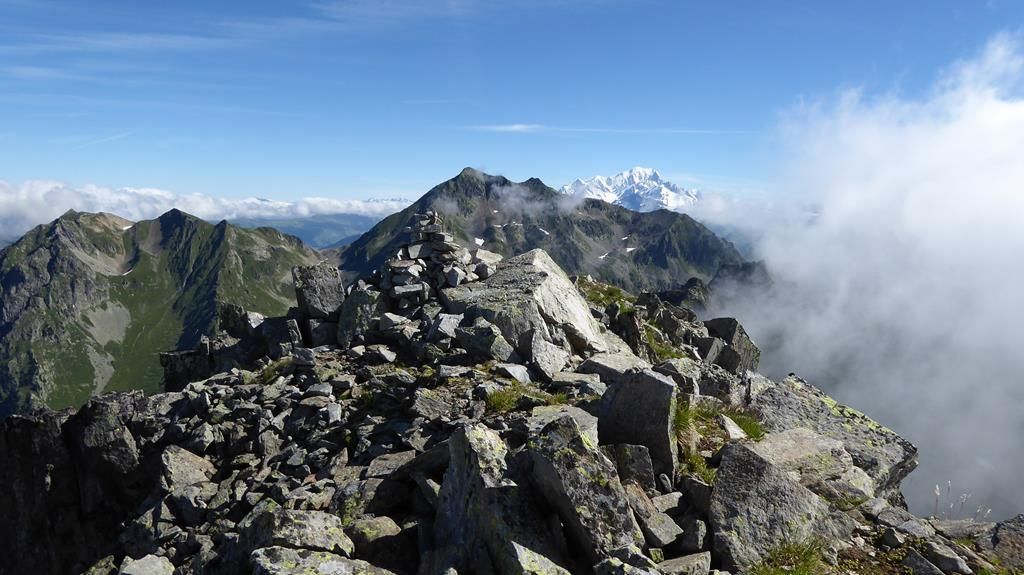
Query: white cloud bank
[[34, 202], [904, 296]]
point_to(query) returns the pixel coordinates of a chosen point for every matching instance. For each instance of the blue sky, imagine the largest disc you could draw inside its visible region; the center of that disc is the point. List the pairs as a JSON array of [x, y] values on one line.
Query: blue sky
[[365, 98]]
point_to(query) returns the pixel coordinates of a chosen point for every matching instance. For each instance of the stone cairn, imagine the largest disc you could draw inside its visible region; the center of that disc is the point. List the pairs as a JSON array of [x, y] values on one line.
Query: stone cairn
[[431, 260], [399, 303]]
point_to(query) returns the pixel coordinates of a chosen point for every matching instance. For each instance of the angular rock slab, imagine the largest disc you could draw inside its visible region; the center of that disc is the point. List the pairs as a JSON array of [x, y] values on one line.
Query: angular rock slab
[[529, 293], [182, 468], [148, 565], [755, 506], [581, 484], [612, 368], [740, 355], [1007, 542], [357, 314], [819, 463], [885, 456], [314, 530], [319, 290], [639, 410], [486, 518], [284, 561], [696, 564]]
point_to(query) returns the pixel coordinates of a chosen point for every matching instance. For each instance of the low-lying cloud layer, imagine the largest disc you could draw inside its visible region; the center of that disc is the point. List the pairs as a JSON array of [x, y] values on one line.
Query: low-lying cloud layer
[[903, 296], [35, 202]]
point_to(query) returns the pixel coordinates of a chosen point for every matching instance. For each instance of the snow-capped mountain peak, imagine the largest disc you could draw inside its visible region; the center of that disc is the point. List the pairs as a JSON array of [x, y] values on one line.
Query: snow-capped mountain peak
[[640, 189]]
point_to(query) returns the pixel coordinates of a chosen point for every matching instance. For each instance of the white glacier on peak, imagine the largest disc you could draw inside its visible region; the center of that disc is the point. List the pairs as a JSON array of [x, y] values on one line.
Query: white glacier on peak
[[639, 189]]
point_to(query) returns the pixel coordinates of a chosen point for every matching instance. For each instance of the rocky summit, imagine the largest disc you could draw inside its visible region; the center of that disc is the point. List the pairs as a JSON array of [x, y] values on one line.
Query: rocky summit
[[460, 412], [584, 236]]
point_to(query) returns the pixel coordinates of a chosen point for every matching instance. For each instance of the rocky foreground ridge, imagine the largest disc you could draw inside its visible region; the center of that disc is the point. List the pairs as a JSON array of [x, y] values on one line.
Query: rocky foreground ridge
[[462, 413]]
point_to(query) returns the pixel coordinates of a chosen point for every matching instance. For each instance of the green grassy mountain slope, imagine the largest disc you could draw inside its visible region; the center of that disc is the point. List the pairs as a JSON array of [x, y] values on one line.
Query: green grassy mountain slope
[[89, 300], [652, 250]]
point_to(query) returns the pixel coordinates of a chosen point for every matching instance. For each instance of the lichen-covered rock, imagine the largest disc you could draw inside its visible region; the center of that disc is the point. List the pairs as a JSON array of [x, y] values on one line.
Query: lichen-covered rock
[[542, 415], [684, 371], [820, 463], [485, 341], [581, 484], [918, 565], [633, 463], [296, 528], [1006, 542], [756, 506], [639, 410], [885, 456], [658, 528], [530, 293], [319, 290], [148, 565], [696, 564], [357, 315], [182, 468], [486, 519], [284, 561], [739, 355], [613, 367]]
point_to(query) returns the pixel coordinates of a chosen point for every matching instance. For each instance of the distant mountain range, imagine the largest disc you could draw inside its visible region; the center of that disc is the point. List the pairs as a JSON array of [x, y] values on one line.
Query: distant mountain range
[[89, 300], [640, 189], [320, 231], [632, 249]]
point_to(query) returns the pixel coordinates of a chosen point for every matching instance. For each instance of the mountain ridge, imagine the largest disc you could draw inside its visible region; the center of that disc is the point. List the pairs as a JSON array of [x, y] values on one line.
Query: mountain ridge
[[90, 299], [635, 250], [640, 189]]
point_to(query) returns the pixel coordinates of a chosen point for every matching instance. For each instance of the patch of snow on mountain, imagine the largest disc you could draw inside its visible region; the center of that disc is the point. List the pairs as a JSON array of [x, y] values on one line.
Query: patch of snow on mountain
[[639, 189]]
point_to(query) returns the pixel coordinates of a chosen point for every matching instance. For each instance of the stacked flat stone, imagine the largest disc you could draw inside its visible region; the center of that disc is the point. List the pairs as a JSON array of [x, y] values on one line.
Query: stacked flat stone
[[432, 260]]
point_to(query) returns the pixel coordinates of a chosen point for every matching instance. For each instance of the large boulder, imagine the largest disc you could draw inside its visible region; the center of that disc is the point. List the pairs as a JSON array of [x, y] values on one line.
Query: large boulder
[[885, 456], [582, 486], [181, 468], [755, 506], [639, 410], [284, 561], [542, 415], [739, 355], [319, 290], [612, 367], [820, 463], [1006, 542], [486, 518], [148, 565], [314, 530], [530, 294], [358, 314], [484, 341]]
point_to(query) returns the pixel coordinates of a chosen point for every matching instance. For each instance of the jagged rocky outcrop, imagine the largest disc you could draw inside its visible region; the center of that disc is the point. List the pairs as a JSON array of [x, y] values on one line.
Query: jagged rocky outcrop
[[481, 416]]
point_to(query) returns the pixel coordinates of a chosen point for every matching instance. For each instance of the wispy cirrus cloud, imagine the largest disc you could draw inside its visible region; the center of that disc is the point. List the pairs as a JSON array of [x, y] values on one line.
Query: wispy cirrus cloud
[[543, 128], [104, 139]]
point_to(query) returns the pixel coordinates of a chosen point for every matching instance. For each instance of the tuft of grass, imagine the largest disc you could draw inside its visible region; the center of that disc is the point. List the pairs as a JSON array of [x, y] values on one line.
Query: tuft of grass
[[702, 417], [505, 400], [697, 465], [662, 350], [747, 422], [604, 295], [792, 558], [272, 371], [560, 398]]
